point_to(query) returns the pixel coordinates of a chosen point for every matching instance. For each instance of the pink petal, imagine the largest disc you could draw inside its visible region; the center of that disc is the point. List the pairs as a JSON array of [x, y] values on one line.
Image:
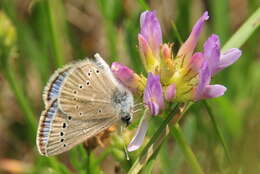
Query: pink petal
[[213, 91], [189, 45], [151, 30], [228, 58], [125, 75], [212, 52], [138, 139], [143, 46], [170, 92], [204, 80], [196, 61], [153, 94]]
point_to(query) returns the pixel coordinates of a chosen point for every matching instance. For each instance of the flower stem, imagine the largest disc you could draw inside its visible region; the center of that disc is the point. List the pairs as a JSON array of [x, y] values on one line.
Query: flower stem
[[160, 135], [154, 143], [189, 155], [218, 131]]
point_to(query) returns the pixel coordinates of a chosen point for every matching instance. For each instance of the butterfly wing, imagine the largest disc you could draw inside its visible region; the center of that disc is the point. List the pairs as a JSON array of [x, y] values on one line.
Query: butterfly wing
[[58, 132], [87, 91], [51, 90]]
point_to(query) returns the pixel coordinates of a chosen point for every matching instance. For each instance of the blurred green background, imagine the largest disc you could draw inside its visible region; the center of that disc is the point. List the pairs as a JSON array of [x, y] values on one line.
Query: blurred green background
[[38, 36]]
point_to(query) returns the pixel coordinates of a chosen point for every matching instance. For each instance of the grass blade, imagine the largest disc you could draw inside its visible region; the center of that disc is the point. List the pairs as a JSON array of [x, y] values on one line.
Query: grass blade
[[57, 29], [189, 155], [218, 130], [220, 24], [244, 32]]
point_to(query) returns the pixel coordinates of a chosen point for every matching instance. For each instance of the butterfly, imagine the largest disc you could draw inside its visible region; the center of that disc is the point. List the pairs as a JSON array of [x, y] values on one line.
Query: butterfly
[[81, 100]]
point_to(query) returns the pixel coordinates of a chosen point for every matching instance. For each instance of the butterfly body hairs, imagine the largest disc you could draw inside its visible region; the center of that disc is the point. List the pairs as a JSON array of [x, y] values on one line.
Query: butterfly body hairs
[[81, 100]]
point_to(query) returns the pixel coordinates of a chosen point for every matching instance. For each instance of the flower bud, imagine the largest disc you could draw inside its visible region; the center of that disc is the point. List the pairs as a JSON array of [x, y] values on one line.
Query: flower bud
[[127, 77], [166, 63], [150, 39]]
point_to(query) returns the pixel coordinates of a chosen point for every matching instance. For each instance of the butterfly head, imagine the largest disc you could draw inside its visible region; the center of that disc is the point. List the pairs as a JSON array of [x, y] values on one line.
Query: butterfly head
[[126, 118]]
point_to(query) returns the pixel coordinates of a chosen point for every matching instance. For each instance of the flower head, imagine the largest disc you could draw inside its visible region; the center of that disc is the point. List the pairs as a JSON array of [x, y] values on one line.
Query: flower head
[[153, 94], [181, 78]]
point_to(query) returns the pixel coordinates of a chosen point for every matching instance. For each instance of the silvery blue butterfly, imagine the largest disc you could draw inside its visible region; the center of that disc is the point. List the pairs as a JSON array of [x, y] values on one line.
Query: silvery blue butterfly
[[81, 100]]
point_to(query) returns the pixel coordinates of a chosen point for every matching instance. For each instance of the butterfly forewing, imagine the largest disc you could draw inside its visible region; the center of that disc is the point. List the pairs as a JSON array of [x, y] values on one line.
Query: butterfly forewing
[[87, 92]]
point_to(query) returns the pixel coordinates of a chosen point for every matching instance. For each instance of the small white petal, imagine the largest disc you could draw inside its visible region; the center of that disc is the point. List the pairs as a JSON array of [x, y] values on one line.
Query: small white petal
[[138, 139]]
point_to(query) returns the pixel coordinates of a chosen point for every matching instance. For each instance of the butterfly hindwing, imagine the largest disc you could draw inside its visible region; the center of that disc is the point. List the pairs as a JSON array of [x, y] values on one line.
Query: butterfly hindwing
[[59, 132]]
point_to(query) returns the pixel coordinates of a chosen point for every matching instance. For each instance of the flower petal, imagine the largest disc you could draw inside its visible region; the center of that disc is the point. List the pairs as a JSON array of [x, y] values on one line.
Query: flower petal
[[170, 92], [153, 94], [196, 61], [189, 45], [212, 52], [213, 91], [228, 58], [138, 139], [167, 68], [151, 30], [126, 76], [204, 80]]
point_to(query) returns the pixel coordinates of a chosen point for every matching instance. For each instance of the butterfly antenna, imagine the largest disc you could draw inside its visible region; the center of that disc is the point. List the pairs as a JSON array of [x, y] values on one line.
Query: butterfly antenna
[[139, 105], [137, 110]]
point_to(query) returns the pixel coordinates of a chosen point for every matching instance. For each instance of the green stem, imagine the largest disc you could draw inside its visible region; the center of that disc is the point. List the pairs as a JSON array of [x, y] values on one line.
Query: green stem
[[244, 32], [189, 155], [218, 130]]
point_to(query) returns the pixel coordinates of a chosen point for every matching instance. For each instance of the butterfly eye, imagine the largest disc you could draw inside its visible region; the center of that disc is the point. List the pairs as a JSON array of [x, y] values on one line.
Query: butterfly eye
[[61, 134], [64, 125], [99, 110], [74, 91], [87, 82], [62, 140], [97, 71], [69, 117]]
